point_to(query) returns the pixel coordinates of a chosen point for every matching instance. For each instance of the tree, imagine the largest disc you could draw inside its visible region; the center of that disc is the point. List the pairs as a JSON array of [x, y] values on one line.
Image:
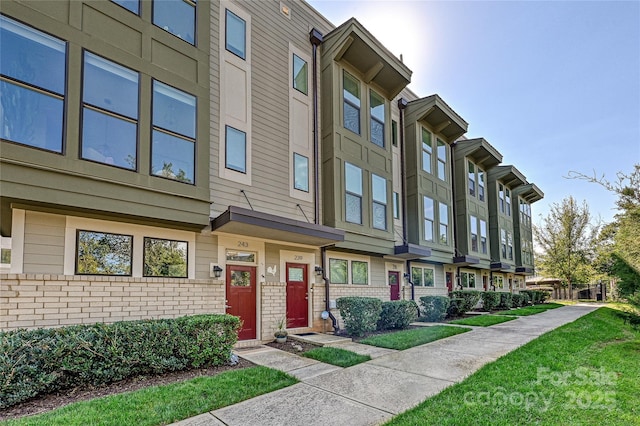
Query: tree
[[566, 238], [619, 254]]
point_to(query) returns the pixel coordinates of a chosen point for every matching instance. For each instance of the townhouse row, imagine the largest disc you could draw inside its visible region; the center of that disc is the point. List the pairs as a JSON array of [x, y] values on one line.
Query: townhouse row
[[167, 158]]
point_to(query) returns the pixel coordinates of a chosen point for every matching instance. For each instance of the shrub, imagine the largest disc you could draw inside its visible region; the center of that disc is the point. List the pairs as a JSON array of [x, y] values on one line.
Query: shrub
[[397, 314], [505, 301], [516, 300], [454, 307], [33, 362], [490, 300], [537, 296], [434, 307], [525, 298], [360, 314], [471, 299]]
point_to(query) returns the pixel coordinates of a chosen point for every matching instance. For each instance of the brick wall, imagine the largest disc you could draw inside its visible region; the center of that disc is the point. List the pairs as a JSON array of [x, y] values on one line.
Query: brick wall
[[274, 307], [42, 300]]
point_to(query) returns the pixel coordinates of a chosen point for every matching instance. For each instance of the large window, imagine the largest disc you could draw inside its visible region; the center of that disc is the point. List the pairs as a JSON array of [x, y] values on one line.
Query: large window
[[472, 178], [376, 104], [507, 201], [501, 197], [235, 149], [509, 245], [351, 104], [32, 84], [498, 281], [525, 212], [481, 175], [102, 253], [483, 236], [338, 271], [236, 35], [427, 150], [444, 223], [343, 271], [300, 172], [109, 113], [442, 160], [429, 218], [177, 17], [422, 277], [174, 133], [468, 279], [359, 272], [300, 74], [353, 193], [164, 258], [503, 243], [379, 203], [132, 5], [473, 222]]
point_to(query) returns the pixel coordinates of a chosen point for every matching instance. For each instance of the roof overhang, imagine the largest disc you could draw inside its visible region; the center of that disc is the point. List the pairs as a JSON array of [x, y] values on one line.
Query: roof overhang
[[530, 193], [524, 270], [352, 43], [481, 152], [411, 251], [465, 260], [499, 266], [438, 115], [508, 175], [237, 220]]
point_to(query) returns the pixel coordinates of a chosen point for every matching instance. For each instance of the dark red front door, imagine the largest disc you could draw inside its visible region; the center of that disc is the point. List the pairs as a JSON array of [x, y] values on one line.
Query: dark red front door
[[449, 282], [394, 284], [297, 295], [241, 298]]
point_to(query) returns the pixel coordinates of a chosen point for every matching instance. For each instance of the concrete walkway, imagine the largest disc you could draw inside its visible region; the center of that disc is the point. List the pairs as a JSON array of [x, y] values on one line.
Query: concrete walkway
[[392, 382]]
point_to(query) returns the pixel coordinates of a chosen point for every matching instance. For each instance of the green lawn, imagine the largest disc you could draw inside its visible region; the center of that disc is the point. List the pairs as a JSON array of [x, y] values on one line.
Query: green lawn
[[529, 310], [336, 356], [416, 336], [483, 320], [159, 405], [584, 373]]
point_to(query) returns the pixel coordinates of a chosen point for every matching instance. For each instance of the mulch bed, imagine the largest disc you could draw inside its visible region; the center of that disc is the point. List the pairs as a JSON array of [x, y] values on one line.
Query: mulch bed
[[293, 346], [59, 399]]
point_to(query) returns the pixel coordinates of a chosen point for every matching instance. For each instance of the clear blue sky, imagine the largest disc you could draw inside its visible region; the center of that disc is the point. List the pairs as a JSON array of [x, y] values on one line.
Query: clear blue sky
[[553, 85]]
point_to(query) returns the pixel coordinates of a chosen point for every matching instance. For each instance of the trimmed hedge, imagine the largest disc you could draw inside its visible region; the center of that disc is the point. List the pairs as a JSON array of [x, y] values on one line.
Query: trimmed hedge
[[536, 296], [471, 299], [34, 362], [506, 301], [397, 314], [434, 308], [490, 300], [516, 300], [525, 299], [360, 314], [454, 307]]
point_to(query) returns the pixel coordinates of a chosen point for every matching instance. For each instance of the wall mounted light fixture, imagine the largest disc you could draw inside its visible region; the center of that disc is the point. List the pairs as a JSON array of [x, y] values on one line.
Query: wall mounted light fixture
[[217, 271]]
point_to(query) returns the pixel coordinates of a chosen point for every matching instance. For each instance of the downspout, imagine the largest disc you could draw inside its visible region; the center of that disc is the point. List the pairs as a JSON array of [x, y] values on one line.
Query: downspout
[[327, 307], [315, 37], [453, 206], [402, 104]]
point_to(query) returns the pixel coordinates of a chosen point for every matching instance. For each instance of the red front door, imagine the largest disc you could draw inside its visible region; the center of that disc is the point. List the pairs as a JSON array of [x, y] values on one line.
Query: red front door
[[449, 282], [394, 284], [241, 298], [297, 295]]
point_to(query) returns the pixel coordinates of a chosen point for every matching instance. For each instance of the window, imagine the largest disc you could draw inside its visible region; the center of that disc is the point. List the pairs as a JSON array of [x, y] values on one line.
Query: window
[[394, 132], [132, 5], [164, 258], [300, 172], [343, 271], [503, 243], [483, 236], [174, 133], [379, 203], [507, 201], [444, 223], [235, 34], [32, 83], [428, 218], [5, 256], [338, 271], [353, 196], [376, 105], [427, 151], [472, 178], [525, 213], [237, 256], [102, 253], [473, 221], [236, 150], [359, 272], [351, 104], [442, 160], [510, 245], [468, 279], [498, 281], [501, 197], [422, 277], [396, 205], [480, 184], [300, 74], [109, 113], [177, 17]]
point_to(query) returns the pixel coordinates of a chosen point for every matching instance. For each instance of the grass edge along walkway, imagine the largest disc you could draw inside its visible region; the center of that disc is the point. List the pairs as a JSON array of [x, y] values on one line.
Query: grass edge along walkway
[[405, 339], [483, 320], [336, 356], [165, 404], [583, 373]]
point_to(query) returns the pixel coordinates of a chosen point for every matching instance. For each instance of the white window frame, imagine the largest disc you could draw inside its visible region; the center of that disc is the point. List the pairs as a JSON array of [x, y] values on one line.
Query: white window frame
[[349, 258], [468, 273], [422, 269]]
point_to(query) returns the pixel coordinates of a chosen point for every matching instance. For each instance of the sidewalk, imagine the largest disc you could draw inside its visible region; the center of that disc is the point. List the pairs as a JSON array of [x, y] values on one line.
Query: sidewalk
[[392, 382]]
